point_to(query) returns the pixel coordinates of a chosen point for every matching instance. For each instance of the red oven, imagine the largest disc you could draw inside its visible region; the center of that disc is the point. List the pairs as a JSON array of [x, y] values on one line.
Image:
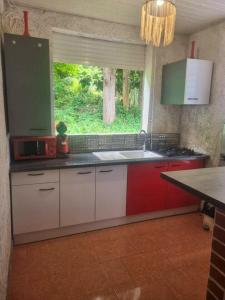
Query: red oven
[[34, 147]]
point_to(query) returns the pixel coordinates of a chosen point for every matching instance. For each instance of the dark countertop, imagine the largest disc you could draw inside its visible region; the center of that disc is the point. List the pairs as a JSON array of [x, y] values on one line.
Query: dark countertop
[[87, 160], [207, 183]]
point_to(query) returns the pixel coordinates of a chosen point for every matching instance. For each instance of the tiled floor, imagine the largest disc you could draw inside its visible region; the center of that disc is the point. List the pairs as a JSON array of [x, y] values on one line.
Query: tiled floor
[[165, 259]]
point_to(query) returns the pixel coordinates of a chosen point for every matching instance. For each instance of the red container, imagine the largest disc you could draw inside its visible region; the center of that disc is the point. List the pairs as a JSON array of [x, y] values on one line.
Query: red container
[[62, 145], [193, 50], [26, 26]]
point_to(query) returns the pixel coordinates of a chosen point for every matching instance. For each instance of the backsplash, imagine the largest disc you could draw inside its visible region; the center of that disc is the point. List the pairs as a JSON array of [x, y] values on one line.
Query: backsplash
[[90, 143]]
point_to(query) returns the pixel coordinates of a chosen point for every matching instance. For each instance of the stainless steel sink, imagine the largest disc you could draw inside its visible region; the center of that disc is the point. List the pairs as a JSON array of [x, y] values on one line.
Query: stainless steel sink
[[139, 154], [122, 155]]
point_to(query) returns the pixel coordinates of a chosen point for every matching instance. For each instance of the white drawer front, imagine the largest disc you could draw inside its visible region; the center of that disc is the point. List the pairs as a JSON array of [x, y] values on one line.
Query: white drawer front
[[35, 207], [34, 177]]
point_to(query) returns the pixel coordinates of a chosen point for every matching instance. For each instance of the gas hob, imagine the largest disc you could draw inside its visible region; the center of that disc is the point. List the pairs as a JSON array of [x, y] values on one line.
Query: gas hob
[[172, 152]]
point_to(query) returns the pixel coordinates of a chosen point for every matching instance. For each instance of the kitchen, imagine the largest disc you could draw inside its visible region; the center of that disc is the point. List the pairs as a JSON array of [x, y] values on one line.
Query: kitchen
[[101, 222]]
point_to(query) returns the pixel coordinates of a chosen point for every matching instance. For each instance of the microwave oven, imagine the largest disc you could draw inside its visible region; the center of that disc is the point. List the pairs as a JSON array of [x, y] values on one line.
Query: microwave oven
[[25, 148]]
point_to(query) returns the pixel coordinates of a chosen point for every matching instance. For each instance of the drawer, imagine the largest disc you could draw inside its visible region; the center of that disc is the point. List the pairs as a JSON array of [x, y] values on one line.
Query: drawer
[[186, 165], [77, 175], [34, 177]]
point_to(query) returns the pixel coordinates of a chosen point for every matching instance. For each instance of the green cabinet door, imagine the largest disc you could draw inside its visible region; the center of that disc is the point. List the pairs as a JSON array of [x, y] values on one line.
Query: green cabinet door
[[27, 76], [173, 83]]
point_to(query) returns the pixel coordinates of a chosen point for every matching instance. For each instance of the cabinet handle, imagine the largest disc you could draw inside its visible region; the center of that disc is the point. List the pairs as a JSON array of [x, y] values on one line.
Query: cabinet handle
[[37, 129], [38, 174], [106, 171], [159, 167], [84, 173], [46, 190]]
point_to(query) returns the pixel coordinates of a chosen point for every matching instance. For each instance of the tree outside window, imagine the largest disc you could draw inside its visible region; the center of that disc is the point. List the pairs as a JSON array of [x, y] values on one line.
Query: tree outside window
[[94, 100]]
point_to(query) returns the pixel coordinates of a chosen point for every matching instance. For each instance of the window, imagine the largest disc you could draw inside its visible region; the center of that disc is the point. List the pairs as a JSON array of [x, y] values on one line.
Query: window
[[98, 85]]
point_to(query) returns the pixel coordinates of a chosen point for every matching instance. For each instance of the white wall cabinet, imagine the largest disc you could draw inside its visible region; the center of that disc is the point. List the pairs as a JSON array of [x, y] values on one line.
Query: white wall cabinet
[[77, 196], [35, 207], [111, 185]]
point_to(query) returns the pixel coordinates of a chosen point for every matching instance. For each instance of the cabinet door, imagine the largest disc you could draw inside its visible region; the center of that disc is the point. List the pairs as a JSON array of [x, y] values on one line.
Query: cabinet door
[[35, 207], [146, 191], [27, 70], [178, 197], [111, 184], [77, 196]]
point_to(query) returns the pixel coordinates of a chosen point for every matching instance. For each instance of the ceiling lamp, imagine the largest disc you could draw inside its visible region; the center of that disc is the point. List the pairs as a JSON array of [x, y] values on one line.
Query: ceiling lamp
[[158, 22]]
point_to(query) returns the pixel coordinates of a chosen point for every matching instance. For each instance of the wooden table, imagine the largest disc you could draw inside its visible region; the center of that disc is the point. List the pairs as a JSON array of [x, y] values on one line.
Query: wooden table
[[209, 184]]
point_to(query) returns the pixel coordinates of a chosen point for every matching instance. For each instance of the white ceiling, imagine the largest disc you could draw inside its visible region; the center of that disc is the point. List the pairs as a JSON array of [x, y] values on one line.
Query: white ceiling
[[192, 15]]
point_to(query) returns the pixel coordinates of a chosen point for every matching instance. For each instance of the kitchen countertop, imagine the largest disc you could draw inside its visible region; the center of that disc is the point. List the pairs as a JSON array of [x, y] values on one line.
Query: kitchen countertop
[[88, 160], [207, 183]]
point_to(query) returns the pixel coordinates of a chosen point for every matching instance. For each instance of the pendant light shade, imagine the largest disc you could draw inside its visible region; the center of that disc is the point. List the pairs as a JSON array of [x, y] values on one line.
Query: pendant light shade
[[158, 22]]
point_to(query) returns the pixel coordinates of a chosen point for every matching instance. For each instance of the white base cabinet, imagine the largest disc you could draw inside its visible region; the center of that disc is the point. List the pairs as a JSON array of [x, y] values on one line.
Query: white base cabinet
[[35, 207], [111, 186], [46, 200], [77, 196]]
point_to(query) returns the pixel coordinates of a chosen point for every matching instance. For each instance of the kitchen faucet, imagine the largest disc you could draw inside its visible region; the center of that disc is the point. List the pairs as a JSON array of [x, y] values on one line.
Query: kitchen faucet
[[143, 132]]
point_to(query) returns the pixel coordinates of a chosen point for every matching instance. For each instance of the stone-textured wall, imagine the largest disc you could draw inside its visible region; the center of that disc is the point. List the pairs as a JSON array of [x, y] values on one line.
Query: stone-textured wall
[[5, 231], [166, 118], [42, 23], [201, 126]]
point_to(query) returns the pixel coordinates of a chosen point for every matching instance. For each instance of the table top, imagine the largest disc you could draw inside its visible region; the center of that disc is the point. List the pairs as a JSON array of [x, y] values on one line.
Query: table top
[[207, 183]]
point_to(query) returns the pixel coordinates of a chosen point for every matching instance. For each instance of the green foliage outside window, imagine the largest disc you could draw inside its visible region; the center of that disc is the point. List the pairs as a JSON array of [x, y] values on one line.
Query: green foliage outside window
[[79, 100]]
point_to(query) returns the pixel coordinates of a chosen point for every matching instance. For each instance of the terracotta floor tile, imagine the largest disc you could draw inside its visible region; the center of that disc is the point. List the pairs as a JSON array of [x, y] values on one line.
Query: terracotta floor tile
[[104, 295], [93, 279], [114, 249], [133, 292], [161, 291], [165, 259], [156, 291], [136, 267], [116, 272]]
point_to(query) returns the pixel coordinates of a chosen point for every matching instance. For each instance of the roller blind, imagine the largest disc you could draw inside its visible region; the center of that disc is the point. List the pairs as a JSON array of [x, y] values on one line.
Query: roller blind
[[81, 50]]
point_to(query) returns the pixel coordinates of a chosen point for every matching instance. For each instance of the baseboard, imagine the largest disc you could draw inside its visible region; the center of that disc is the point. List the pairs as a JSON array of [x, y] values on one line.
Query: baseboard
[[65, 231]]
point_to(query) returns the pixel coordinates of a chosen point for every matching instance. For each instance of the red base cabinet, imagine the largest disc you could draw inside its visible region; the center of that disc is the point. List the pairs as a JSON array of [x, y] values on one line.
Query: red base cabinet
[[146, 190], [178, 197]]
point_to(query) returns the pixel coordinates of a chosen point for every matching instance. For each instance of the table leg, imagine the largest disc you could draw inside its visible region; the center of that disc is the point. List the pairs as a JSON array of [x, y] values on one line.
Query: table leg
[[216, 284]]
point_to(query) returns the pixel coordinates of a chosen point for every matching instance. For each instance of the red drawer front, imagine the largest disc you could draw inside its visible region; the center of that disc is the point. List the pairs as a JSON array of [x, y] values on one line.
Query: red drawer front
[[146, 190]]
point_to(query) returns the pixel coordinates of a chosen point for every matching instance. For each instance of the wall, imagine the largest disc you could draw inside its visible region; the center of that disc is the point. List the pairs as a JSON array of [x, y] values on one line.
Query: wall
[[5, 227], [42, 23], [201, 126], [166, 118]]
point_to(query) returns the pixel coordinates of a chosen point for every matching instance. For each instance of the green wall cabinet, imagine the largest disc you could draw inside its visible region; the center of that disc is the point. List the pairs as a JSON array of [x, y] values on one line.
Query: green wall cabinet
[[187, 82], [28, 92]]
